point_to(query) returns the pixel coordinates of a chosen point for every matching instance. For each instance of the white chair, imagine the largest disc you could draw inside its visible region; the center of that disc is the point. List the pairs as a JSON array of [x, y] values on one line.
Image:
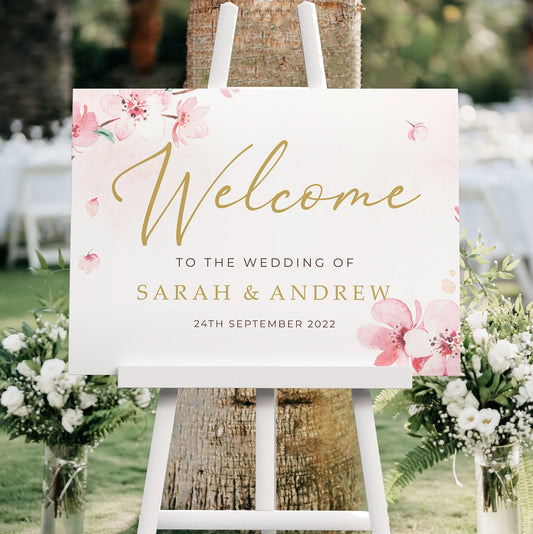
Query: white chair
[[43, 203]]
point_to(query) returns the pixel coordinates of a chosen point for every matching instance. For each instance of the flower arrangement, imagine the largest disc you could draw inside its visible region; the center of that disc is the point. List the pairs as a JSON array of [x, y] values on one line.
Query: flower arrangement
[[70, 414], [41, 401], [488, 411]]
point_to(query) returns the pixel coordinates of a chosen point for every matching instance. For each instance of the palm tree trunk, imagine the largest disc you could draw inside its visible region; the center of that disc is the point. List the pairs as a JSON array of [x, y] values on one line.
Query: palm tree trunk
[[212, 461]]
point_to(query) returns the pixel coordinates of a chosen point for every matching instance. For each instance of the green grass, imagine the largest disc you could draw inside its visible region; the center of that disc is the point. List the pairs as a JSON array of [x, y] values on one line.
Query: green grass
[[433, 504]]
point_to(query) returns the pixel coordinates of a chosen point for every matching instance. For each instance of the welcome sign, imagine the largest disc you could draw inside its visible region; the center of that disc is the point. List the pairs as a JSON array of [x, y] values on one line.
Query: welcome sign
[[256, 226]]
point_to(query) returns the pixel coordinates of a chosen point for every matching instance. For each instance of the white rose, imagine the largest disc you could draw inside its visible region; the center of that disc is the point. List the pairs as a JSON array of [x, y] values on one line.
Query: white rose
[[21, 411], [481, 336], [489, 419], [456, 389], [12, 398], [471, 400], [520, 372], [14, 343], [45, 384], [25, 370], [87, 400], [52, 368], [476, 363], [528, 387], [500, 354], [72, 380], [71, 419], [454, 409], [468, 418], [522, 396], [477, 319], [55, 399], [143, 397]]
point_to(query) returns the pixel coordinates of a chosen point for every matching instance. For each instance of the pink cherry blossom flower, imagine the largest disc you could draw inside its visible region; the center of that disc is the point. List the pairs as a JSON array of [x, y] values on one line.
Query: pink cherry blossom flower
[[139, 110], [391, 341], [418, 131], [435, 345], [92, 207], [190, 122], [228, 90], [89, 262], [84, 126]]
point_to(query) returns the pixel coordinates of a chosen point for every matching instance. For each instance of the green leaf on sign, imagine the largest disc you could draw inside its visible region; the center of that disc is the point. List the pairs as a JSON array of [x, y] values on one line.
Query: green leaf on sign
[[104, 132]]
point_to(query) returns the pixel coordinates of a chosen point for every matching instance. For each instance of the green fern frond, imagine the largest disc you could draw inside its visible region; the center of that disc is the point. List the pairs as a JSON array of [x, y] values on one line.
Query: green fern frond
[[391, 401], [422, 457], [525, 478]]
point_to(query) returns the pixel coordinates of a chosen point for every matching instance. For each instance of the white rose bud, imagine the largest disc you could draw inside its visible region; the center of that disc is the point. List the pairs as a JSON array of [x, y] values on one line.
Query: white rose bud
[[46, 385], [87, 400], [456, 389], [454, 409], [520, 372], [143, 398], [476, 363], [471, 400], [477, 319], [21, 411], [25, 370], [55, 399], [481, 336], [12, 398], [14, 343], [71, 419], [52, 368]]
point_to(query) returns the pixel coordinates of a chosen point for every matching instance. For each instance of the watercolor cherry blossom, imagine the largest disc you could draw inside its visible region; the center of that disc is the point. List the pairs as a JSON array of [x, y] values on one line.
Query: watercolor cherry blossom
[[89, 262], [389, 339], [226, 91], [84, 126], [92, 206], [457, 214], [137, 110], [435, 345], [418, 131], [189, 121]]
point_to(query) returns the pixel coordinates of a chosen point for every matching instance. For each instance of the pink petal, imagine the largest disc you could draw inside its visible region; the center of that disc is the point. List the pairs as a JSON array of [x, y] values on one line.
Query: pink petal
[[188, 105], [392, 312], [434, 366], [123, 129], [417, 343], [441, 316], [453, 364], [374, 337], [92, 207], [387, 358], [112, 104], [76, 115]]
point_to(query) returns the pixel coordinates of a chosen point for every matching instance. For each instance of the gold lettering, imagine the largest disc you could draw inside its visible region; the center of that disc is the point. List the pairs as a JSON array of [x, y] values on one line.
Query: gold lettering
[[277, 293], [224, 292], [339, 293], [200, 293], [296, 291], [358, 293], [316, 293], [160, 293], [379, 291], [141, 288], [180, 292]]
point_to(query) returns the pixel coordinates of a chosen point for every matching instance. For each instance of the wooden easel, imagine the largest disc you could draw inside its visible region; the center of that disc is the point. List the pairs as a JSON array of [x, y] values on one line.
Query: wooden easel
[[265, 379]]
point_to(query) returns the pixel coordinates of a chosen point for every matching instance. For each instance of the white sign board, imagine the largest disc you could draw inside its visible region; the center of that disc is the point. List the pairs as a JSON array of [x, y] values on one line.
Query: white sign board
[[253, 226]]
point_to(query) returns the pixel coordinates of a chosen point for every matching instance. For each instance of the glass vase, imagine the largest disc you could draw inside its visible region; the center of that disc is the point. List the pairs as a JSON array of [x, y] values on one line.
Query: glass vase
[[497, 490], [64, 484]]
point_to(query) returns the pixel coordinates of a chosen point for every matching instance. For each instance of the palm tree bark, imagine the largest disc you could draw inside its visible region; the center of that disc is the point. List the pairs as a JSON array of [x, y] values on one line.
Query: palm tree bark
[[212, 461]]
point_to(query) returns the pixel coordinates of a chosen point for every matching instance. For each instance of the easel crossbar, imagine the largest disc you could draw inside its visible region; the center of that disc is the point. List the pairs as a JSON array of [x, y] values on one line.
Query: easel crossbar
[[262, 520]]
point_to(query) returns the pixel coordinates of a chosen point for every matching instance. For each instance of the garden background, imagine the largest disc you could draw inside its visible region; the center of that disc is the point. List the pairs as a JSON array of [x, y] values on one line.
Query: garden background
[[483, 47]]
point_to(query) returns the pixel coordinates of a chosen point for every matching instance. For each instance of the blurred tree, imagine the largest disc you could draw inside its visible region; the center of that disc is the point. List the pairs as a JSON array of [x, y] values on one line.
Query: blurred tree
[[35, 62], [211, 464]]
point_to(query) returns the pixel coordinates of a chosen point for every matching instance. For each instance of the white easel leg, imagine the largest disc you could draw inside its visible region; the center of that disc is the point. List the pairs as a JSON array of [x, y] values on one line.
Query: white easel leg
[[157, 461], [368, 445], [265, 451]]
